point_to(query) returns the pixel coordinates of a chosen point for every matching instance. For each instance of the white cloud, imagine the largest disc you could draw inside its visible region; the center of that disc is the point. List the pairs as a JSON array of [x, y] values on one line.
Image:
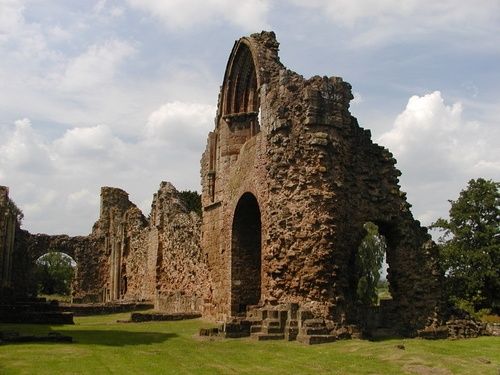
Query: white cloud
[[67, 65], [381, 21], [11, 18], [116, 11], [23, 150], [181, 124], [93, 142], [18, 38], [425, 119], [250, 15], [96, 66], [349, 12], [82, 200], [58, 34], [102, 8], [448, 11], [56, 182], [99, 6], [40, 201], [358, 99], [438, 151]]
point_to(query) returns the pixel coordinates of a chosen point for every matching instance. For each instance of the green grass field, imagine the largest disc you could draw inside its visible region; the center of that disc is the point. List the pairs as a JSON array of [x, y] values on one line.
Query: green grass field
[[103, 346]]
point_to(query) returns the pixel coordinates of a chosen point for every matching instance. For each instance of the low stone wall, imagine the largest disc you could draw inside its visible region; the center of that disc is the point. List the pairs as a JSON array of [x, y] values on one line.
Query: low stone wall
[[465, 328], [493, 329], [89, 298], [105, 308], [157, 316], [458, 329], [178, 303]]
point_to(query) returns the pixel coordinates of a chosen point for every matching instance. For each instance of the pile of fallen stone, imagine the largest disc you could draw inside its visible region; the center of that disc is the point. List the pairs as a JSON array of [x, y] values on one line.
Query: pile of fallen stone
[[465, 328]]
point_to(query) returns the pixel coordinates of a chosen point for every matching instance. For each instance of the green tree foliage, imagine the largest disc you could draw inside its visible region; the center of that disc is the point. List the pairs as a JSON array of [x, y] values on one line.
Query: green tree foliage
[[470, 246], [54, 272], [192, 200], [369, 259]]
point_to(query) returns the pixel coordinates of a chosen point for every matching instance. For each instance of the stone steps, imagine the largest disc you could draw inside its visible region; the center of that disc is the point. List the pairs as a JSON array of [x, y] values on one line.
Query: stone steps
[[314, 331], [264, 329], [284, 322], [261, 336], [313, 323], [271, 323], [291, 330], [255, 329], [316, 339]]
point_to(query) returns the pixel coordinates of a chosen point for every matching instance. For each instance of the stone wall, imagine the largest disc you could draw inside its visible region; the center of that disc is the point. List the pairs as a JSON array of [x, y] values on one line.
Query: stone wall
[[8, 225], [155, 259], [181, 273], [20, 249], [316, 178], [127, 257], [289, 179], [29, 247]]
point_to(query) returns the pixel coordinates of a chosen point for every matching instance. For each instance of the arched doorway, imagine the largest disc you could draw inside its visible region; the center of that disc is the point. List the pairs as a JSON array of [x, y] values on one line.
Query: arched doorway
[[245, 255], [373, 269], [371, 266], [54, 274]]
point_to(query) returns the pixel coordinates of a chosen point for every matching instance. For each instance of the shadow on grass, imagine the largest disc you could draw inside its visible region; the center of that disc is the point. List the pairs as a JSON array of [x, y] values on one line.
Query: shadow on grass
[[117, 338], [87, 337]]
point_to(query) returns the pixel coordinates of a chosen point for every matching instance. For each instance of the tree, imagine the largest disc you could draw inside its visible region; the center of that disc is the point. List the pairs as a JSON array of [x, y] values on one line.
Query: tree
[[369, 259], [470, 246], [192, 200], [54, 273]]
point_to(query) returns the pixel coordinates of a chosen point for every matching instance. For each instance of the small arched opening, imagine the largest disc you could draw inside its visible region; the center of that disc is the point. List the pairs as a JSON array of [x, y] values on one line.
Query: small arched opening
[[54, 275], [246, 255]]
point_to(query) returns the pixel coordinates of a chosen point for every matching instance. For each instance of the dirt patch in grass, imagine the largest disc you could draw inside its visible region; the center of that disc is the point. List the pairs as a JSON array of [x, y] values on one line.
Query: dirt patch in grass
[[426, 370]]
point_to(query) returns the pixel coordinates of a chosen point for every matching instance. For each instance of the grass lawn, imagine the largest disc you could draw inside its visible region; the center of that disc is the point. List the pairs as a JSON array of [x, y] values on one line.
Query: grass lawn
[[103, 346]]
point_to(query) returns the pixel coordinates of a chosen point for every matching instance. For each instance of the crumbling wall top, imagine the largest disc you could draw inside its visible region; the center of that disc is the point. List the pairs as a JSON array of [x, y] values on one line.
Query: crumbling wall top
[[4, 195]]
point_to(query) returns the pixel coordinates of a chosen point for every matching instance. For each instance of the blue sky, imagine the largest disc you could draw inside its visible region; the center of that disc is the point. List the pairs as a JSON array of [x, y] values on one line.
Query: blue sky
[[123, 93]]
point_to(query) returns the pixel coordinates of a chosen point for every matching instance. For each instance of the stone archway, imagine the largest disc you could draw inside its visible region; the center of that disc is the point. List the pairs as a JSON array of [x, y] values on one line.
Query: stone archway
[[246, 255], [31, 247], [55, 273]]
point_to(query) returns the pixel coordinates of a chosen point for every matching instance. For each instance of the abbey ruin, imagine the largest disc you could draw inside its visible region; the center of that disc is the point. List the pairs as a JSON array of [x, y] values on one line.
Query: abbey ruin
[[289, 179]]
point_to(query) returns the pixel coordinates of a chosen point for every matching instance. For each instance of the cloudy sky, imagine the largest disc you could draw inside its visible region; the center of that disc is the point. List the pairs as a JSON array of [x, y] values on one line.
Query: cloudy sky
[[123, 93]]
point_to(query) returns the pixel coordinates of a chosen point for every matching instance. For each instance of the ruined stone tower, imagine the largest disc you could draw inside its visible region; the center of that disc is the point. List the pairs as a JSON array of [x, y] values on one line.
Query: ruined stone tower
[[288, 180], [8, 225]]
